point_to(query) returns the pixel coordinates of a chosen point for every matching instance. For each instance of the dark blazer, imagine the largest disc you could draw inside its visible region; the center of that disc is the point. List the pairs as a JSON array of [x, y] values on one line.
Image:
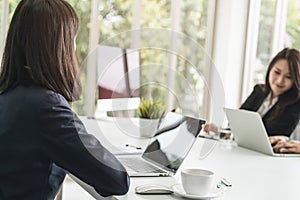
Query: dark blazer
[[37, 129], [282, 125]]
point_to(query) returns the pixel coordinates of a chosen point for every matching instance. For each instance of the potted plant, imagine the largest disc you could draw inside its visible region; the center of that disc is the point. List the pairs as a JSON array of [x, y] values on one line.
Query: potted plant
[[150, 112]]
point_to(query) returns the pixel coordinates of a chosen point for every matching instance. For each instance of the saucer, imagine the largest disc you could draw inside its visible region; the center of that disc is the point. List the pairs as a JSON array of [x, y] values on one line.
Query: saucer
[[214, 193]]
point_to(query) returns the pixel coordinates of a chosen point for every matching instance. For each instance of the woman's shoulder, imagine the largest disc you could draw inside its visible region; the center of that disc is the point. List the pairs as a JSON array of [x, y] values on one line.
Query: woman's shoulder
[[260, 88], [50, 97], [37, 95], [296, 105]]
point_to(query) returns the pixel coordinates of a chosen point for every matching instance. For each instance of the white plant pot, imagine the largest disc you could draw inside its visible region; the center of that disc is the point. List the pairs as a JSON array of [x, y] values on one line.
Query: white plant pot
[[148, 127]]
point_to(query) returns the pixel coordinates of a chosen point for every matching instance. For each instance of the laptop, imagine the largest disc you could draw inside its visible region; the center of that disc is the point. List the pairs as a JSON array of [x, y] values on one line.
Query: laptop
[[167, 149], [249, 131]]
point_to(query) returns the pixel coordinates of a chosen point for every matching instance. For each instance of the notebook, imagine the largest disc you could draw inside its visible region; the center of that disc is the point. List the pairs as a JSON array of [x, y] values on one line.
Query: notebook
[[249, 131], [167, 149]]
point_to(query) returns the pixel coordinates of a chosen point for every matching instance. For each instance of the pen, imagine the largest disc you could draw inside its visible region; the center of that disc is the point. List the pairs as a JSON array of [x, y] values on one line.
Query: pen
[[225, 182], [130, 145]]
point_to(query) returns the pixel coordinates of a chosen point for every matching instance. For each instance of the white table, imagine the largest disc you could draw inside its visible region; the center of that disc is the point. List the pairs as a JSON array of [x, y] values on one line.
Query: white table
[[254, 176]]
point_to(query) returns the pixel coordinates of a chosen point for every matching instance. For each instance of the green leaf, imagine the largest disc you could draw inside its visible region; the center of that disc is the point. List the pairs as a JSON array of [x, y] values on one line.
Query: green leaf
[[151, 109]]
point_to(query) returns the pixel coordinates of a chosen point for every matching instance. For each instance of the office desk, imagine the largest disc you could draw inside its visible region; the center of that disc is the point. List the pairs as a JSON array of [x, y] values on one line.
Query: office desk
[[252, 174]]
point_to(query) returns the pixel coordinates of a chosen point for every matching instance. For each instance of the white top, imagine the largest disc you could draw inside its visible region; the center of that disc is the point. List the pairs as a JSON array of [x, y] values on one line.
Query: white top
[[266, 106]]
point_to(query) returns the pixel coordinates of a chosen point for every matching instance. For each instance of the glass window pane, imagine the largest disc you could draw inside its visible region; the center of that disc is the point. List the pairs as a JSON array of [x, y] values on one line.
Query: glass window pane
[[5, 24], [192, 52], [156, 14], [155, 35], [264, 45], [1, 4], [115, 17], [155, 45], [83, 10], [292, 38], [12, 4]]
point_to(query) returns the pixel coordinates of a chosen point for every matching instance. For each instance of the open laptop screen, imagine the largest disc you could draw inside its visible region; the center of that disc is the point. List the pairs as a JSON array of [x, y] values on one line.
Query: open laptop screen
[[173, 140]]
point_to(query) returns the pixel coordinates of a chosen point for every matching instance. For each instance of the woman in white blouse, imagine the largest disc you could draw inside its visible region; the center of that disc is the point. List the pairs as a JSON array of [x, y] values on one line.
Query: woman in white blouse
[[278, 100]]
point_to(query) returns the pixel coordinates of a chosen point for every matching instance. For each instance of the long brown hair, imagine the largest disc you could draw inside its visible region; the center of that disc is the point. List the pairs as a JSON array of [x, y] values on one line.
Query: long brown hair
[[292, 56], [40, 47]]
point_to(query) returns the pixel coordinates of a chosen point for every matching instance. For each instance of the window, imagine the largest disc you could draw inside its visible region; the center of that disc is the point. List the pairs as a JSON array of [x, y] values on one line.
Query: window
[[266, 33], [191, 65], [292, 36], [265, 37], [83, 10], [7, 8], [1, 5], [158, 22], [156, 29]]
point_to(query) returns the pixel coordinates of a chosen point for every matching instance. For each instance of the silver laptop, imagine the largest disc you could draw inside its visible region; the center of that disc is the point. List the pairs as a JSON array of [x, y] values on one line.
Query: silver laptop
[[249, 131], [167, 149]]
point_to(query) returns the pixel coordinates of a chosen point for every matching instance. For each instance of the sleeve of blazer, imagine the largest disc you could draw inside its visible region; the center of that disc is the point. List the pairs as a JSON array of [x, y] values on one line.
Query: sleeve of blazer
[[255, 99], [67, 143], [285, 123]]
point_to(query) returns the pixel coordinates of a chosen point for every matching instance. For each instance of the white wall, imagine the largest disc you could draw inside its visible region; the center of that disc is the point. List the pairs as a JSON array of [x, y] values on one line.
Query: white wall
[[228, 55]]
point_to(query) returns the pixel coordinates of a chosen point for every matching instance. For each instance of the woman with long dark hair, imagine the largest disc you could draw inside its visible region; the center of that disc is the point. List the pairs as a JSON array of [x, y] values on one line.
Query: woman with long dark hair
[[40, 136], [278, 100]]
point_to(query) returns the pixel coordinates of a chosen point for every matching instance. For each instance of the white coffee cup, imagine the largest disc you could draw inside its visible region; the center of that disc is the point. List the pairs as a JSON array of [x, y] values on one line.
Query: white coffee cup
[[197, 181]]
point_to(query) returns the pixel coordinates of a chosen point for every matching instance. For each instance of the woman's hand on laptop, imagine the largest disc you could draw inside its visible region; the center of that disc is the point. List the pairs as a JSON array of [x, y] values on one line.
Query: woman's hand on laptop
[[276, 139], [211, 128], [289, 146]]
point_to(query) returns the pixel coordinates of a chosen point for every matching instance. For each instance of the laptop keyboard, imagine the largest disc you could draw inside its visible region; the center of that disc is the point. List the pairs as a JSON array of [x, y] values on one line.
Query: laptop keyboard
[[139, 165]]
